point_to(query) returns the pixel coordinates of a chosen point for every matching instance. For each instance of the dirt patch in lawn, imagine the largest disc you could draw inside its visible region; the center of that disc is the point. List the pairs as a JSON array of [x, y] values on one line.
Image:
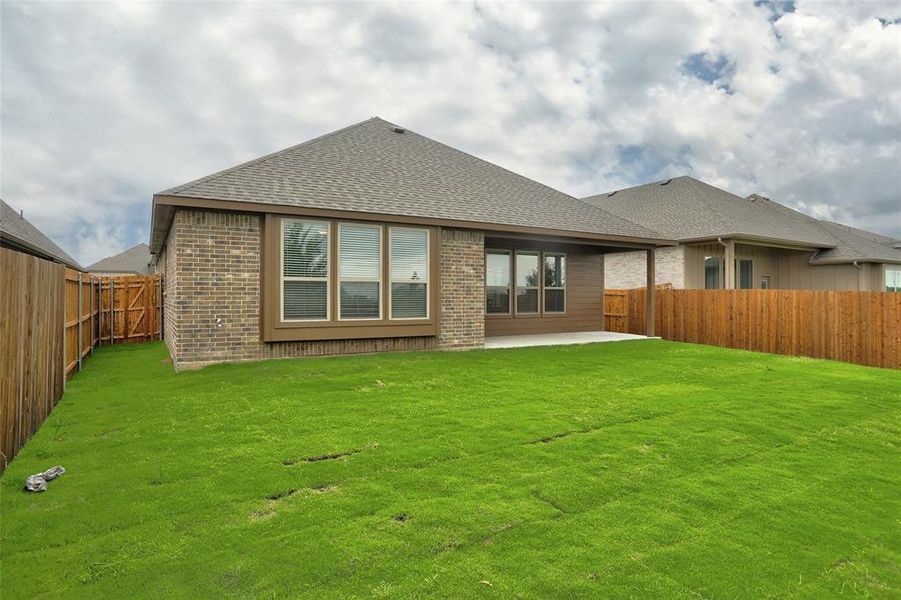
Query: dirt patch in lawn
[[333, 456], [274, 501]]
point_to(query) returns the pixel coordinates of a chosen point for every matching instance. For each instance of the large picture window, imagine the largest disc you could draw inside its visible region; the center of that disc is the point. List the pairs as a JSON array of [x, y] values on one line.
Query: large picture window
[[554, 283], [359, 271], [305, 249], [527, 282], [409, 268], [498, 279]]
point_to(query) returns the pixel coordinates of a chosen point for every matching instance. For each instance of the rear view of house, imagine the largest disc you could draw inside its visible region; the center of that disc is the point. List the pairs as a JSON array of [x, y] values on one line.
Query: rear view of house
[[726, 241], [376, 238]]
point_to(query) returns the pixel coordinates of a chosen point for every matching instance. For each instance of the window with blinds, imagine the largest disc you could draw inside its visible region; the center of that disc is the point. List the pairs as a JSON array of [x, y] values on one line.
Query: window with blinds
[[409, 270], [305, 293], [359, 271]]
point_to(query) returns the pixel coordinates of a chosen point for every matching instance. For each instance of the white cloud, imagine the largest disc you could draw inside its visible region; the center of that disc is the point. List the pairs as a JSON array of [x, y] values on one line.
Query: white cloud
[[104, 104]]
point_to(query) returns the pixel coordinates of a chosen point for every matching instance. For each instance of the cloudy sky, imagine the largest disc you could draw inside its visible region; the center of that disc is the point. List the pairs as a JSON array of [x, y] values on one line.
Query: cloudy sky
[[103, 104]]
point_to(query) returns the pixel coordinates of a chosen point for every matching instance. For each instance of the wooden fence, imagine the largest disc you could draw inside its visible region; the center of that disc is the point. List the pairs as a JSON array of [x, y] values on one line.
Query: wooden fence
[[858, 327], [51, 318]]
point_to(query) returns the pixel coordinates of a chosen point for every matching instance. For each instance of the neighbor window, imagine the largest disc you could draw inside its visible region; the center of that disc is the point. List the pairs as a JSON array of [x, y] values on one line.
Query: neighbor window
[[527, 282], [305, 293], [765, 282], [892, 280], [744, 273], [713, 272], [497, 282], [554, 283], [359, 271], [409, 266]]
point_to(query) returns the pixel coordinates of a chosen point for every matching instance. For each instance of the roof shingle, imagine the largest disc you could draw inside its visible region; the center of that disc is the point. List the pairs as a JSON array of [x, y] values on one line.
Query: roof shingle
[[370, 167], [17, 229]]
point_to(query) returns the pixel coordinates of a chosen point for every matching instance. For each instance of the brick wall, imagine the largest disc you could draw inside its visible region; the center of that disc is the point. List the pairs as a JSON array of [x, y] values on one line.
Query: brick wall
[[213, 272], [166, 267], [462, 289], [624, 270]]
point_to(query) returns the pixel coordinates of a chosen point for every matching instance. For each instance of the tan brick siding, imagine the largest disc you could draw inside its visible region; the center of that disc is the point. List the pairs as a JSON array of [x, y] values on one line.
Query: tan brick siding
[[213, 263], [624, 270], [462, 289]]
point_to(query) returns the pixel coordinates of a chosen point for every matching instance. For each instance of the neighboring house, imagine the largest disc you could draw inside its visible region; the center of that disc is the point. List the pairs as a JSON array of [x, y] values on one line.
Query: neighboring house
[[134, 261], [376, 238], [17, 233], [726, 241]]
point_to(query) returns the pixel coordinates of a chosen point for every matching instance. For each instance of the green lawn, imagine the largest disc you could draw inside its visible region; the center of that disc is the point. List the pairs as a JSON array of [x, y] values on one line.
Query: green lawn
[[644, 469]]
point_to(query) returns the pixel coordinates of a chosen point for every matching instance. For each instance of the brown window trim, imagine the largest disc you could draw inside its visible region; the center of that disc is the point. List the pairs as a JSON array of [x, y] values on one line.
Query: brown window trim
[[541, 314], [274, 329]]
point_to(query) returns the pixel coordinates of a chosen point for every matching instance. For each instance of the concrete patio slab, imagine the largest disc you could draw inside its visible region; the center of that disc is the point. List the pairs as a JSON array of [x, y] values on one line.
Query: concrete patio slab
[[560, 339]]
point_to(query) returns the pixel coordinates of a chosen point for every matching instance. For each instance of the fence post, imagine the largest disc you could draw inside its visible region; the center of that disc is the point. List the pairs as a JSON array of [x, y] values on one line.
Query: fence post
[[159, 314], [99, 311], [80, 320], [91, 306], [112, 315]]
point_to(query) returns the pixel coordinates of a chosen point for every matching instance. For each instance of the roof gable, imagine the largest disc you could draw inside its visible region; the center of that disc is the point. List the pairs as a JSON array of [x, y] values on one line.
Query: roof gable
[[380, 168], [17, 229], [134, 260], [685, 208]]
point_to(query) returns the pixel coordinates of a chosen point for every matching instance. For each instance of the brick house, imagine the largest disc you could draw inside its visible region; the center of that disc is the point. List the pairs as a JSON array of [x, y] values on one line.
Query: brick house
[[726, 241], [376, 238]]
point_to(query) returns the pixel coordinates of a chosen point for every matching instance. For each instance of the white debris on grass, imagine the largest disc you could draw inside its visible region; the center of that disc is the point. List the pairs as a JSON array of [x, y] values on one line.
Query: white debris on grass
[[38, 482]]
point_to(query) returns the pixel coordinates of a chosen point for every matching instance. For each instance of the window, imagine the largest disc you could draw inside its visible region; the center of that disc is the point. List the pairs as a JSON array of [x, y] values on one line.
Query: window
[[527, 282], [713, 272], [554, 283], [409, 266], [497, 282], [892, 280], [359, 271], [305, 293], [765, 282], [744, 273]]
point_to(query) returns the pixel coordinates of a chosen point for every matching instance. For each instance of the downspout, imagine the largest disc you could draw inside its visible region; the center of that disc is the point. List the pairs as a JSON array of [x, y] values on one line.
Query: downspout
[[859, 275]]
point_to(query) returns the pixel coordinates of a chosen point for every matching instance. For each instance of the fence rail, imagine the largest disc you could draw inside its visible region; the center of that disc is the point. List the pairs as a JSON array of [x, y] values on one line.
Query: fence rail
[[858, 327], [51, 318]]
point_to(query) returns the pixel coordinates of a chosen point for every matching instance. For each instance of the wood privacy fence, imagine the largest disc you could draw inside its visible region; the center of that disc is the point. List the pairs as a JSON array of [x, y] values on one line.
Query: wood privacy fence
[[51, 318], [858, 327]]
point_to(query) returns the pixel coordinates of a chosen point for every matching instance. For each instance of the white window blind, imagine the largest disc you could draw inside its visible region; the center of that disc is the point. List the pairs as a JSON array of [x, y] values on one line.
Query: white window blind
[[359, 270], [409, 268], [305, 270]]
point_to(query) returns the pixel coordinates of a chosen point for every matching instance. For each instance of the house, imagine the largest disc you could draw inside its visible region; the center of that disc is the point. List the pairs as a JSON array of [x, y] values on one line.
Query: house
[[726, 241], [373, 238], [17, 233], [134, 261]]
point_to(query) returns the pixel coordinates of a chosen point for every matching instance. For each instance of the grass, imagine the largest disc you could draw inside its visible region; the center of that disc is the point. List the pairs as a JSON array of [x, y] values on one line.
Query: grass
[[643, 469]]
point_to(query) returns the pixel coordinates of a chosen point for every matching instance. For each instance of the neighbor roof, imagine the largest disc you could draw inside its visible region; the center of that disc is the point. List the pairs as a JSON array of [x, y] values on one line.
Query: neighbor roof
[[686, 209], [377, 167], [17, 232], [134, 260], [857, 245]]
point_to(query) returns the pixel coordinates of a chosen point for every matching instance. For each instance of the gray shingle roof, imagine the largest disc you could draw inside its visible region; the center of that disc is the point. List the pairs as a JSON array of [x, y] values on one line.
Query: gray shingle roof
[[18, 232], [134, 260], [368, 167], [684, 208], [857, 245]]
